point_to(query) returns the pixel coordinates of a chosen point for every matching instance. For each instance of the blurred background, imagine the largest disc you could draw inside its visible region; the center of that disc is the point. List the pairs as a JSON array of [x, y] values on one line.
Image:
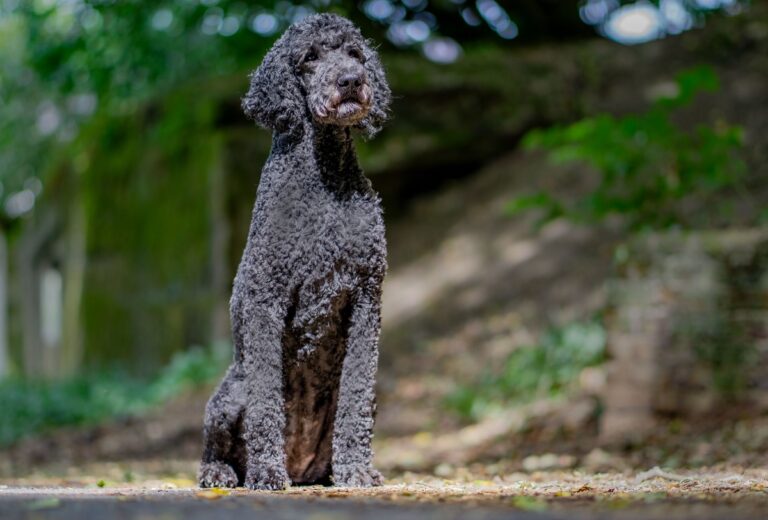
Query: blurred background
[[575, 193]]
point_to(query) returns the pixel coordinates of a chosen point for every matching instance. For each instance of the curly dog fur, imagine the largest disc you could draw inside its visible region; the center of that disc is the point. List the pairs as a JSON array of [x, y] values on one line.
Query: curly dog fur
[[297, 403]]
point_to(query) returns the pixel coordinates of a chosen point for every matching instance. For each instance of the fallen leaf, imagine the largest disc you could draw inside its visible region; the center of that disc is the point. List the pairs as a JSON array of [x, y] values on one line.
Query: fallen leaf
[[44, 503], [527, 503], [213, 493]]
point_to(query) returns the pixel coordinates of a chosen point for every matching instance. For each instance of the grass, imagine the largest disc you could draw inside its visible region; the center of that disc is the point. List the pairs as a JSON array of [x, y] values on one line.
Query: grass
[[31, 406]]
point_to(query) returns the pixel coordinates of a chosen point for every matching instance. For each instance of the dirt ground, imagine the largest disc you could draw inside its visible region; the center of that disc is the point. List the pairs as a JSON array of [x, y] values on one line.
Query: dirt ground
[[101, 473], [651, 494], [88, 480]]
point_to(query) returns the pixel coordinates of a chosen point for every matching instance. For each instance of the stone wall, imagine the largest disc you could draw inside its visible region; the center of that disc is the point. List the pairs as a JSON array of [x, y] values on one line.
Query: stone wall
[[687, 329]]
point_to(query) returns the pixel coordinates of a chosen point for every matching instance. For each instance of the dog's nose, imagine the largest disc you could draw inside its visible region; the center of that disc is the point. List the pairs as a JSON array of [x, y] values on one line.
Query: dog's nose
[[350, 80]]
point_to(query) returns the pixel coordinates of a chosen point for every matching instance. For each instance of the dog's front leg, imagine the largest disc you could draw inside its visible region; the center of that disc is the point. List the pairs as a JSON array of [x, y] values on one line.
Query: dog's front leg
[[264, 421], [353, 427]]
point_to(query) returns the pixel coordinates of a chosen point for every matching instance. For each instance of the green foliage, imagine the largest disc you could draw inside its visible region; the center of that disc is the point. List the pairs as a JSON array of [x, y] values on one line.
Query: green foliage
[[724, 348], [68, 63], [64, 62], [31, 407], [546, 369], [652, 171], [192, 368]]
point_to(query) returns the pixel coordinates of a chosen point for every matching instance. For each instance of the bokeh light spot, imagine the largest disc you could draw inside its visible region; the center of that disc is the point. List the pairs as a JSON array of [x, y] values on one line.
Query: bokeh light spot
[[212, 20], [497, 18], [48, 119], [20, 203], [162, 19], [676, 17], [229, 25], [264, 24], [417, 30], [636, 23], [415, 5], [441, 50], [595, 12], [470, 17], [378, 9]]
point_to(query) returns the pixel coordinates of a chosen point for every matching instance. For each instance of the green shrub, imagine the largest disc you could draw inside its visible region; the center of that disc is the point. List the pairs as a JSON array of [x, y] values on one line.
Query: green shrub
[[31, 407], [652, 172], [546, 369]]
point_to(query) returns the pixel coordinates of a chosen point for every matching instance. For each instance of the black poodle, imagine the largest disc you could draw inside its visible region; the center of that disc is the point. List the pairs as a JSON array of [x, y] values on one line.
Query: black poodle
[[297, 404]]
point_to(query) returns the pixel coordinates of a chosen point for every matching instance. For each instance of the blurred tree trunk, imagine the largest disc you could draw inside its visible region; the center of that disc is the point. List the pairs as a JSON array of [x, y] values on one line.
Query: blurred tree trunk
[[4, 358], [219, 230], [34, 241], [71, 347], [50, 267]]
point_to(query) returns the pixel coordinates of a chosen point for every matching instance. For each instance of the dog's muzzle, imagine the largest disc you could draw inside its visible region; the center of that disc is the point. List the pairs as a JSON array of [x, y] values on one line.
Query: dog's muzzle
[[350, 100]]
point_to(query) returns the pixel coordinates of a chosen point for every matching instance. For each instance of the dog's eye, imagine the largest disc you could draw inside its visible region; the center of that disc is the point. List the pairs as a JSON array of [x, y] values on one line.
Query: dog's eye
[[356, 54], [310, 56]]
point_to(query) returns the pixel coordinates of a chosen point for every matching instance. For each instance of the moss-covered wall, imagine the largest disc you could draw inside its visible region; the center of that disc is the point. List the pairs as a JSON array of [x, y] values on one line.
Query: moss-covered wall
[[687, 330], [147, 290]]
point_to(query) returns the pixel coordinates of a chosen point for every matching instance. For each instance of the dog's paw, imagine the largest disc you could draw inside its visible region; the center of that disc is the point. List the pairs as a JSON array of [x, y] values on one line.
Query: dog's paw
[[216, 474], [267, 478], [356, 476]]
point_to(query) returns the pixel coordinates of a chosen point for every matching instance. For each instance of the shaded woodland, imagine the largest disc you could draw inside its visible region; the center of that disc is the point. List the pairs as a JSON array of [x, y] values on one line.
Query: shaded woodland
[[576, 229]]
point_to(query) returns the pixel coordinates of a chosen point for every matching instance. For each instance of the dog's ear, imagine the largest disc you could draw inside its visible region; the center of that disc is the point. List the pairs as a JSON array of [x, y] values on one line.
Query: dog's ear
[[274, 98], [379, 112]]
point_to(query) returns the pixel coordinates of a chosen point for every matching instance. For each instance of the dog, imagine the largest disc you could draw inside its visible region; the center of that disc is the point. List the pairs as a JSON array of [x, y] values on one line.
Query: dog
[[297, 404]]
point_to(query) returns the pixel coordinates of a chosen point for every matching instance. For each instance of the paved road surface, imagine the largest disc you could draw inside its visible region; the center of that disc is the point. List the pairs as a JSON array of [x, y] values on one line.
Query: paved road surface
[[102, 504]]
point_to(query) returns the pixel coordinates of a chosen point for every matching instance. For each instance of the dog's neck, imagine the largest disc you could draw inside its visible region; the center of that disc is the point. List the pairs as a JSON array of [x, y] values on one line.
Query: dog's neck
[[333, 151], [322, 157]]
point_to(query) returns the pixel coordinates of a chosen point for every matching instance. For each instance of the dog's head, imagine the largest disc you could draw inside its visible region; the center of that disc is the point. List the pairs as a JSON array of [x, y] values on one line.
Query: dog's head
[[320, 68]]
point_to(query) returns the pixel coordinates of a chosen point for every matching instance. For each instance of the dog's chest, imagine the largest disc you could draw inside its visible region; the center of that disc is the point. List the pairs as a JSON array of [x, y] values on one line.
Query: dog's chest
[[348, 232], [340, 248]]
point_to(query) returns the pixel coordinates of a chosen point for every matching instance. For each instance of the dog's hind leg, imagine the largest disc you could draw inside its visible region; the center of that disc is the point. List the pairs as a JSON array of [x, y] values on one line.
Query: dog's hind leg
[[221, 434]]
